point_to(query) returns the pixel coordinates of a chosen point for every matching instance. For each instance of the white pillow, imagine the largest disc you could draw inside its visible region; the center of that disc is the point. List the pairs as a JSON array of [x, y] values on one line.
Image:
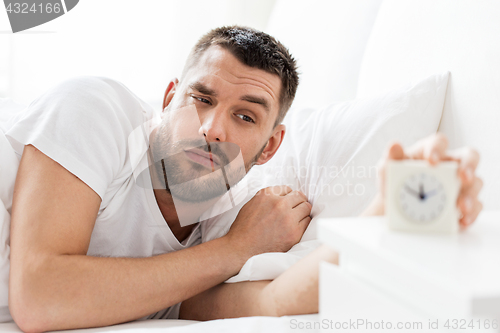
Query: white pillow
[[330, 154]]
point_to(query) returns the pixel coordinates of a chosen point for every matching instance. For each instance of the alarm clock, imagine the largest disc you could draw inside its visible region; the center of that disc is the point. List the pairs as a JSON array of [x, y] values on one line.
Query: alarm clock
[[420, 197]]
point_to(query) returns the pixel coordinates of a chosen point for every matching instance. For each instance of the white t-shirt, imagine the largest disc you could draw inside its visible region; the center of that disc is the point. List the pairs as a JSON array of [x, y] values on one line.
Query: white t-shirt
[[84, 124]]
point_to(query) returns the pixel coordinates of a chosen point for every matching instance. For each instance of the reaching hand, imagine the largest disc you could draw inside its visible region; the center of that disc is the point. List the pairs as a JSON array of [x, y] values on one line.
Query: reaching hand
[[434, 149]]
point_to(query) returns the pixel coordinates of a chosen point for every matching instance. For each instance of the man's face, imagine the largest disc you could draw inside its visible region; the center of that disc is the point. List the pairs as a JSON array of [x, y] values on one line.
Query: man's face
[[220, 108]]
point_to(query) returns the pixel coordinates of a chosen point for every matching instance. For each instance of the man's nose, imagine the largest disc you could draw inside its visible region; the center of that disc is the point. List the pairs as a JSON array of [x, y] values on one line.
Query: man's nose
[[213, 125]]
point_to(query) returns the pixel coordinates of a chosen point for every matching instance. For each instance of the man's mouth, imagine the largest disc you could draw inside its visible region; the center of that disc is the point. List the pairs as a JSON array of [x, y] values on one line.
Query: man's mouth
[[202, 157]]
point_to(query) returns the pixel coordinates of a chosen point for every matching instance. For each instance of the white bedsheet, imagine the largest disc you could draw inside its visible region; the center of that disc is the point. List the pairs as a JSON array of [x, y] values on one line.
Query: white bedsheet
[[239, 325]]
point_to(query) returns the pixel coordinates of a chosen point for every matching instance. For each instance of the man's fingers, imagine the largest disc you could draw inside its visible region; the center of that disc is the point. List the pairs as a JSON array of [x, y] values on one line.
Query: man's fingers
[[276, 190], [468, 195], [302, 210], [437, 150], [295, 198], [284, 190], [395, 151], [304, 223], [473, 189], [468, 159], [467, 219], [431, 149]]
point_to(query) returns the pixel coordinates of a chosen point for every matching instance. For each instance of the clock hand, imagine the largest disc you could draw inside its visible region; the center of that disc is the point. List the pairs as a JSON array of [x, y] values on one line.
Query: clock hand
[[422, 193], [412, 191], [431, 193]]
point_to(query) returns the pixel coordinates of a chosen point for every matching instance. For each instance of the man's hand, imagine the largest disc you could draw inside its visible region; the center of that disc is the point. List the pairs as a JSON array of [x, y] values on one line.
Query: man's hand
[[272, 221], [434, 149]]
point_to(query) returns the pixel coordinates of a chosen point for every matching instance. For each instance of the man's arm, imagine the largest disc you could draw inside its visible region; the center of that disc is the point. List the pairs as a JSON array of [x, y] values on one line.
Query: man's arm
[[54, 285], [293, 292]]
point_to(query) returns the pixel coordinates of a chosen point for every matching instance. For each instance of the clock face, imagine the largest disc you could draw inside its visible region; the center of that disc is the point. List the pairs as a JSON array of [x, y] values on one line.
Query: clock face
[[422, 197]]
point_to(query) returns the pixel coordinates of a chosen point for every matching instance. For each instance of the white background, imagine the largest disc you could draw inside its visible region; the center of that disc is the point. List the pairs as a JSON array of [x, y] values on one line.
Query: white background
[[140, 43]]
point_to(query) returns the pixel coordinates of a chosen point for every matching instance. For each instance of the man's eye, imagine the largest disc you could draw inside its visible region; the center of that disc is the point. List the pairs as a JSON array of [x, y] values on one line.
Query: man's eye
[[201, 99], [245, 118]]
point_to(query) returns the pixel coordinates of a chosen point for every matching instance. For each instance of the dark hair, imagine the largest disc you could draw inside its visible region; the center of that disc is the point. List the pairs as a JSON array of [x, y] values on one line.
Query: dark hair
[[254, 49]]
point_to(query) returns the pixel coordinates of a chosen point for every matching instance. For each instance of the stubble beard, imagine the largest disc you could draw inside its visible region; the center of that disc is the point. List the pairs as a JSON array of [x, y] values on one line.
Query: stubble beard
[[194, 183]]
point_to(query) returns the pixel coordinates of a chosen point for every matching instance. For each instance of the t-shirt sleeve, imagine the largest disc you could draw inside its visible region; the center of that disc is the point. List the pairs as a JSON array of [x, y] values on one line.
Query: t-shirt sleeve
[[79, 124]]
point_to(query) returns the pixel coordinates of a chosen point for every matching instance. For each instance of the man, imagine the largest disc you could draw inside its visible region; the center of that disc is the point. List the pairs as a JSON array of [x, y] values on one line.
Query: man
[[89, 247]]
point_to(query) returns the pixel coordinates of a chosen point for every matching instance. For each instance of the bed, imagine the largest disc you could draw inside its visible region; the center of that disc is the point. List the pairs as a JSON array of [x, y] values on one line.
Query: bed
[[243, 325]]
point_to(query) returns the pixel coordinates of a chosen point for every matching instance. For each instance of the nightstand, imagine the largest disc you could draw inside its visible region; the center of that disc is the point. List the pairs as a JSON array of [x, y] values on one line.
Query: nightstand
[[386, 278]]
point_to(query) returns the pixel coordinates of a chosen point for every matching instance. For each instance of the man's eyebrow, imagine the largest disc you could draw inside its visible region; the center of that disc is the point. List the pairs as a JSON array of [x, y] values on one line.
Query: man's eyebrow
[[257, 100], [200, 87]]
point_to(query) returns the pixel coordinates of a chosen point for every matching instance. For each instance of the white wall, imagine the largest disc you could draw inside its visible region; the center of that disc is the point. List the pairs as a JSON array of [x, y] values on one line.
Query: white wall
[[140, 43], [328, 39]]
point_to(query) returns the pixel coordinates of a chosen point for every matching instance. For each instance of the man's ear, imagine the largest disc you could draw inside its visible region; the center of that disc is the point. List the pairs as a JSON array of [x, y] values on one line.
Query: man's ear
[[272, 145], [169, 92]]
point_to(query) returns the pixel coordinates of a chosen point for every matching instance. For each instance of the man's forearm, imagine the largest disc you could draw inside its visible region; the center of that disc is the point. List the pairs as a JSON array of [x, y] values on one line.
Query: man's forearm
[[76, 291], [293, 292], [228, 300]]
